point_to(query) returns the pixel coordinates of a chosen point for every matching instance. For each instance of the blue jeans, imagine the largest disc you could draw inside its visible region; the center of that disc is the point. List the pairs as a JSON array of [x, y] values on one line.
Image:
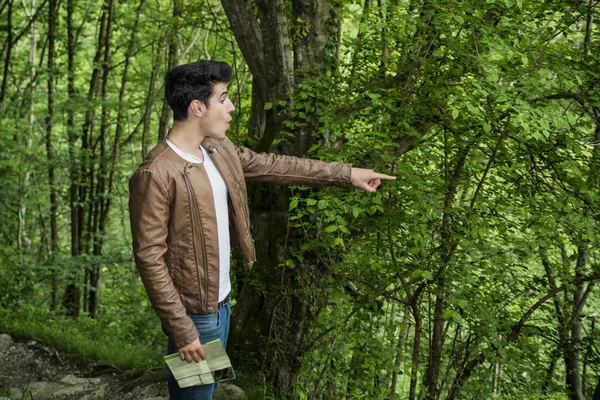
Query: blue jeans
[[211, 327]]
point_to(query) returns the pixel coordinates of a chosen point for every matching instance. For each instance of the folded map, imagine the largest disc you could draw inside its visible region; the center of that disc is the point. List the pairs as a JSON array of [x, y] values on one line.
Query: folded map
[[216, 367]]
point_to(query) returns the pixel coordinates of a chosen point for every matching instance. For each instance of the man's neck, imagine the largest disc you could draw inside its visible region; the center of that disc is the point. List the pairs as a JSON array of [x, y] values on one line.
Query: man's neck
[[187, 137]]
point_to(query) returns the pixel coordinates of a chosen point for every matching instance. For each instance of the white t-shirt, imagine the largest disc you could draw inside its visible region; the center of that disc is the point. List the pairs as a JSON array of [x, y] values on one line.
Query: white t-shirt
[[219, 190]]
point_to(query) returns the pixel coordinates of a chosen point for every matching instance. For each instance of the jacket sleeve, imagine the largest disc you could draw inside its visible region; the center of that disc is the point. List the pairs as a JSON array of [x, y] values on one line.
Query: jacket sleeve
[[149, 217], [291, 170]]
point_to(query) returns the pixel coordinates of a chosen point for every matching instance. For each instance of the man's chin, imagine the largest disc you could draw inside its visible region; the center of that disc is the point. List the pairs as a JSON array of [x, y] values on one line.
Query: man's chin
[[220, 135]]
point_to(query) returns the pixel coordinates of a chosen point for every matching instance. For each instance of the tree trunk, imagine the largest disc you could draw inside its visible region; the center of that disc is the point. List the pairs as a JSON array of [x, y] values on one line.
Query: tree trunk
[[496, 379], [414, 372], [148, 105], [437, 342], [547, 385], [172, 61], [596, 395], [102, 193], [27, 140], [72, 297], [266, 48], [50, 148], [402, 335], [313, 17], [573, 352], [9, 40], [74, 188]]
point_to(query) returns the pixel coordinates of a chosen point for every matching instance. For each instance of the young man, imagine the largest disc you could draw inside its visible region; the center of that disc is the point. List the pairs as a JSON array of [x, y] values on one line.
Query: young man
[[188, 205]]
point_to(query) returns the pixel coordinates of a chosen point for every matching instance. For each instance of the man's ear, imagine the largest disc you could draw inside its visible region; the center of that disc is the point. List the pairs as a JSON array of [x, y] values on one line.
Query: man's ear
[[196, 108]]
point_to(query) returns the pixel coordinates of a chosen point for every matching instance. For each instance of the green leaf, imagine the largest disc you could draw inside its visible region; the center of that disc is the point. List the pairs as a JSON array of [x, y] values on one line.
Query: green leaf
[[293, 204], [331, 228], [428, 275], [457, 318], [447, 314], [268, 106]]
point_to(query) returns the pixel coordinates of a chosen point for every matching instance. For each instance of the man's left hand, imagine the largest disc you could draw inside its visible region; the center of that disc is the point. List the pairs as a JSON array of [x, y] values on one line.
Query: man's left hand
[[367, 179]]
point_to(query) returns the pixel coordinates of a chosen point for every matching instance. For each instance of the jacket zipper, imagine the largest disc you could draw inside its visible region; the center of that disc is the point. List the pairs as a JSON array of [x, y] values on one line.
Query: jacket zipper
[[197, 213], [244, 194]]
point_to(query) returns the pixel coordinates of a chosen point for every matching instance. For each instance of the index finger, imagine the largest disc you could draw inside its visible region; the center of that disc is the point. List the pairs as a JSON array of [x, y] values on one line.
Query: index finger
[[201, 353], [384, 176]]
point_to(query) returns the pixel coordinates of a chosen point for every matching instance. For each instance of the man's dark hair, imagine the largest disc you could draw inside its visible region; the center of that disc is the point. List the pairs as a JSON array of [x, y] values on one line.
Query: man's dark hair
[[193, 81]]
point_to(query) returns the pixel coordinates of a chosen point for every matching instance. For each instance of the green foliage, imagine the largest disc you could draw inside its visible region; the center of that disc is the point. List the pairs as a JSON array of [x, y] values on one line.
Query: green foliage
[[487, 113], [474, 113], [93, 341]]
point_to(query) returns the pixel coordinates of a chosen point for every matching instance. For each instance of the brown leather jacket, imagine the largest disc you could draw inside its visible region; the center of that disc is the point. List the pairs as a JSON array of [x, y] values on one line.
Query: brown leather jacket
[[173, 223]]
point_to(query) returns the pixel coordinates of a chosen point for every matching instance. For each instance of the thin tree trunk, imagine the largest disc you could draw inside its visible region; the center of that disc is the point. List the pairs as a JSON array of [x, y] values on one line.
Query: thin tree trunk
[[148, 105], [338, 39], [9, 40], [72, 297], [573, 353], [102, 193], [74, 188], [547, 385], [172, 61], [414, 373], [596, 395], [589, 26], [399, 353], [435, 353], [27, 142], [50, 148], [385, 53], [496, 379]]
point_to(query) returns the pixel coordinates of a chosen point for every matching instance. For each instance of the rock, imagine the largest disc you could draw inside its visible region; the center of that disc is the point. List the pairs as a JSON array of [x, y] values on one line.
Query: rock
[[228, 391], [72, 380], [97, 393], [36, 385], [42, 390], [15, 393], [76, 388], [70, 391], [5, 342], [82, 392]]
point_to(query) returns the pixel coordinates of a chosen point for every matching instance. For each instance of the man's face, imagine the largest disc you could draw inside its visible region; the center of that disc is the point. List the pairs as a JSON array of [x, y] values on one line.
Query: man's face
[[216, 118]]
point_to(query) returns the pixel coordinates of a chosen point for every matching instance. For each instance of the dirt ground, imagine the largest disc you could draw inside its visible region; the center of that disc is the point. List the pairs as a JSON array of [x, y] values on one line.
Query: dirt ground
[[31, 370]]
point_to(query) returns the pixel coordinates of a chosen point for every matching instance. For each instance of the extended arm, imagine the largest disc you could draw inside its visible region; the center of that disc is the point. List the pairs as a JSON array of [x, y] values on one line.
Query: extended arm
[[303, 171]]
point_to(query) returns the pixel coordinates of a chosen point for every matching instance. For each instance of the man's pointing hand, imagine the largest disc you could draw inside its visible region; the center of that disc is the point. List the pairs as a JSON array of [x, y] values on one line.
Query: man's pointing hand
[[367, 179]]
